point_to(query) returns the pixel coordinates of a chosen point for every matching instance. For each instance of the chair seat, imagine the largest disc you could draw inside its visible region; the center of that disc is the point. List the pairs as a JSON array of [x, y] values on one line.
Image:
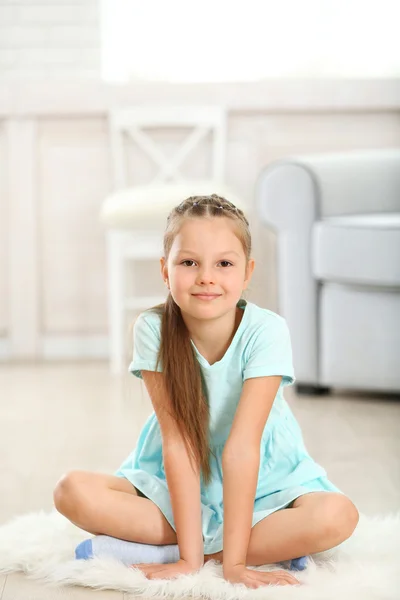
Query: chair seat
[[146, 206], [359, 249]]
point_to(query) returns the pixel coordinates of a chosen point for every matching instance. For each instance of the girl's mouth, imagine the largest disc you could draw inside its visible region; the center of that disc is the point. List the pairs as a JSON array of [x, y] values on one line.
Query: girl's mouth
[[206, 296]]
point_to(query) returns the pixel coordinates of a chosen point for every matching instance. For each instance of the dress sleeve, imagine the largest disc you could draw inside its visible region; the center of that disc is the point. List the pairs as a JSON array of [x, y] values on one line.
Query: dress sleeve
[[146, 344], [271, 353]]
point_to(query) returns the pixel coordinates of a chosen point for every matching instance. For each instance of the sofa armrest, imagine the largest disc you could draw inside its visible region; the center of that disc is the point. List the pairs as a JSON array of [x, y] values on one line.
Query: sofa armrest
[[286, 202]]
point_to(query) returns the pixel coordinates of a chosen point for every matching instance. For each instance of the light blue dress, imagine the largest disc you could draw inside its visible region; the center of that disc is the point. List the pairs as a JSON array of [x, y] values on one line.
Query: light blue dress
[[261, 347]]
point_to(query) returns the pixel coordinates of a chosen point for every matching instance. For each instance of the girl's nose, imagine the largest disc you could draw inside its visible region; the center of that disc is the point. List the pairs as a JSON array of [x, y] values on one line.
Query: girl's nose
[[204, 277]]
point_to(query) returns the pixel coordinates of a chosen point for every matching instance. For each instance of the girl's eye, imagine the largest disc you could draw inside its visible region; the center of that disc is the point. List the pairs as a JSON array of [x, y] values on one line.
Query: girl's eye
[[225, 263], [187, 261]]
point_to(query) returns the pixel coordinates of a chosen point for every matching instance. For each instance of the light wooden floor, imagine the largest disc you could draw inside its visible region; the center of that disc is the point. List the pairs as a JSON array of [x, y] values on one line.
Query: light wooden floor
[[77, 416]]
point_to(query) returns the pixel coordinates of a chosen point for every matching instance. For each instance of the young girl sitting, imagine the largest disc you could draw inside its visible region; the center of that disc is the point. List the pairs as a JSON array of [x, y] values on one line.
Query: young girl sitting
[[220, 470]]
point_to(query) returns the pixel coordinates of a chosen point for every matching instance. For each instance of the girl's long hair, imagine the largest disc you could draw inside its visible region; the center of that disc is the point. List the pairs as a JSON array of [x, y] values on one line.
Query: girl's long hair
[[181, 369]]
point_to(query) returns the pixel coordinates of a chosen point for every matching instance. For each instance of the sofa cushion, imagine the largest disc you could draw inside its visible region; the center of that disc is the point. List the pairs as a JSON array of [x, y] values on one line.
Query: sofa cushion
[[359, 249]]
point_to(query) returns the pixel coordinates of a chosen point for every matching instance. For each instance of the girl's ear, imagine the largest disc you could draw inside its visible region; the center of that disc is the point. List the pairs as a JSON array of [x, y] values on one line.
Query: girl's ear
[[249, 272], [164, 270]]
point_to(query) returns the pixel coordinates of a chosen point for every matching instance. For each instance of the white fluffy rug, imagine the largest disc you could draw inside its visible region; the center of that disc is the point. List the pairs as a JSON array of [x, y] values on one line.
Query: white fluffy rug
[[365, 567]]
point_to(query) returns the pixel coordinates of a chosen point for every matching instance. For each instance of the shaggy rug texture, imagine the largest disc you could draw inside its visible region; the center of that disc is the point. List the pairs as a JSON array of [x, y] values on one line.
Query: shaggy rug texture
[[365, 567]]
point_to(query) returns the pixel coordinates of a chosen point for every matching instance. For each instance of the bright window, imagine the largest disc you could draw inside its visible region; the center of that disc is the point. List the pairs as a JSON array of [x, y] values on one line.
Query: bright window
[[220, 40]]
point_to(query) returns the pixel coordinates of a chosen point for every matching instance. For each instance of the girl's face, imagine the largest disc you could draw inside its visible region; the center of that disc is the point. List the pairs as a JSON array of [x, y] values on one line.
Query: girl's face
[[207, 269]]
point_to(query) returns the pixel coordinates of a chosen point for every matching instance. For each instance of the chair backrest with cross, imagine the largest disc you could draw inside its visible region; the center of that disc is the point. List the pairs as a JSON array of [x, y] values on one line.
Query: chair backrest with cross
[[134, 122]]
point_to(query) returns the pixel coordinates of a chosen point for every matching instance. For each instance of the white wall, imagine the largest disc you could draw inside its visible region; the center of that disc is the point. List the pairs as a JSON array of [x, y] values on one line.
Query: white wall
[[49, 38]]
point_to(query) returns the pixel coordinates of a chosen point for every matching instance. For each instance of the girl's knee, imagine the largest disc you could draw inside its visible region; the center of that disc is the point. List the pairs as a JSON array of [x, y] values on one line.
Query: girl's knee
[[341, 517], [351, 517], [66, 492]]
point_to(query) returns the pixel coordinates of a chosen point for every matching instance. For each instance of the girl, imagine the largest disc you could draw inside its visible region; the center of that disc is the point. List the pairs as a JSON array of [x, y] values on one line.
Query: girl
[[220, 470]]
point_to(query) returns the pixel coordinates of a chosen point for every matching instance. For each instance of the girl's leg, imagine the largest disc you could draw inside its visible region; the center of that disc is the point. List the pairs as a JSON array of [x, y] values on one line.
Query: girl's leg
[[316, 522], [110, 505]]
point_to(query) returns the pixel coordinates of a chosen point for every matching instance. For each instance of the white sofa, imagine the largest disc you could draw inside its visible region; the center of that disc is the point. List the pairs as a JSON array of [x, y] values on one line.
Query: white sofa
[[337, 220]]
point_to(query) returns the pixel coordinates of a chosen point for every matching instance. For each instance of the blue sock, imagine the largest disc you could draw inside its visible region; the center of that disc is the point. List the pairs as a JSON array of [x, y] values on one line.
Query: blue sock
[[129, 553], [299, 564]]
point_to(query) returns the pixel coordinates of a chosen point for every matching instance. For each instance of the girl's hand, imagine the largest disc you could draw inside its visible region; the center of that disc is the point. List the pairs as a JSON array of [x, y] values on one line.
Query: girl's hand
[[166, 571], [255, 579]]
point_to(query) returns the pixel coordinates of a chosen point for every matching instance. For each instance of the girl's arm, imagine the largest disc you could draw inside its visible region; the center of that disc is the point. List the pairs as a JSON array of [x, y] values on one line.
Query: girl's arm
[[240, 464], [183, 481], [184, 488], [240, 473]]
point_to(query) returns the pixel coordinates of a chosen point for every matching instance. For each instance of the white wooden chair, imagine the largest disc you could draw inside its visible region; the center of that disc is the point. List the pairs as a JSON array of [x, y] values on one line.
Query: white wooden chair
[[135, 217]]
